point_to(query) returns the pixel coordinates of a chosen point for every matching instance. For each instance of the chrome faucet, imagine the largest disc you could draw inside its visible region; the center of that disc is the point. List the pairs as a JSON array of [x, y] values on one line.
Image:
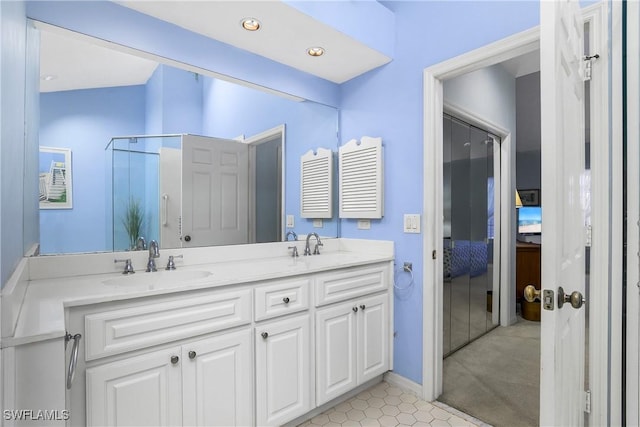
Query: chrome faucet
[[290, 233], [307, 249], [141, 244], [154, 252]]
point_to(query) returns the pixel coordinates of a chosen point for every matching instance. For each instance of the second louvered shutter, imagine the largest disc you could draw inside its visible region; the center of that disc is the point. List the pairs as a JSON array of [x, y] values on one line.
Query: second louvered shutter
[[361, 179]]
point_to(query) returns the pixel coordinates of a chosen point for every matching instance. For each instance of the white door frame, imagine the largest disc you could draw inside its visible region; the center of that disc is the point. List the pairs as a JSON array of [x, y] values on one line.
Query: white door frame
[[633, 213], [603, 161]]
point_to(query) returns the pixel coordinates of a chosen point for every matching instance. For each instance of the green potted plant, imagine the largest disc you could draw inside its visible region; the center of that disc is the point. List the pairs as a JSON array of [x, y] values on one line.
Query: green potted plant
[[132, 221]]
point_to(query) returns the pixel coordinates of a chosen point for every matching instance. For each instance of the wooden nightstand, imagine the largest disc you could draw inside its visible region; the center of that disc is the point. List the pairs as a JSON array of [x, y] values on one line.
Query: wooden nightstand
[[528, 273]]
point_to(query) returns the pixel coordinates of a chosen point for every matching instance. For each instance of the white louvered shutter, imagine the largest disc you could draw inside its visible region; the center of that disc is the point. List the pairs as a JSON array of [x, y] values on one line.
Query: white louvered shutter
[[361, 175], [316, 178]]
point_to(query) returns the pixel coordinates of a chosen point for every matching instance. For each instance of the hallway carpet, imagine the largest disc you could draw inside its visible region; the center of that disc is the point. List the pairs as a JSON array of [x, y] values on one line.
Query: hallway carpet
[[496, 377]]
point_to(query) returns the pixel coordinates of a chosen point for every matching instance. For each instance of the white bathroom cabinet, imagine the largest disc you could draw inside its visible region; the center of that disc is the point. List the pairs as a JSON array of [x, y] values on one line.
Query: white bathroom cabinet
[[264, 345], [352, 340], [203, 383], [283, 374]]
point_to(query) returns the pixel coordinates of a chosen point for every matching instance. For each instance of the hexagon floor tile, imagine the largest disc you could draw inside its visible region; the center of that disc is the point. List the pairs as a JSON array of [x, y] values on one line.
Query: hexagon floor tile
[[387, 405]]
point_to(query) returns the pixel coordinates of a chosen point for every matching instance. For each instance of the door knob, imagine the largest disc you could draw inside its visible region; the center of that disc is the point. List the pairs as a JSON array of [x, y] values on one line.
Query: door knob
[[575, 298], [531, 293]]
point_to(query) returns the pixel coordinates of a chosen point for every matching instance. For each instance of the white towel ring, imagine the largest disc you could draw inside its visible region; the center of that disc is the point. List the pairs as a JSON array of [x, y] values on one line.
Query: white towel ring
[[406, 268]]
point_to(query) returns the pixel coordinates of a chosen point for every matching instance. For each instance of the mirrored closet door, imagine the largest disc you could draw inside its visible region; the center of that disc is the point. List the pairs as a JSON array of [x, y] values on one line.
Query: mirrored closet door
[[469, 203]]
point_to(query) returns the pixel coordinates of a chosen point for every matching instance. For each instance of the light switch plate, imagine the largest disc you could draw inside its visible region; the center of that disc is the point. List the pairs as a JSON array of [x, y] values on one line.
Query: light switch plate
[[317, 223], [364, 224], [411, 223], [290, 221]]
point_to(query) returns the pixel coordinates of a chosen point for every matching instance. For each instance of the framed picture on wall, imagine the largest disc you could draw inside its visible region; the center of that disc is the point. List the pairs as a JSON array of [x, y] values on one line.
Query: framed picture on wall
[[530, 197], [55, 178]]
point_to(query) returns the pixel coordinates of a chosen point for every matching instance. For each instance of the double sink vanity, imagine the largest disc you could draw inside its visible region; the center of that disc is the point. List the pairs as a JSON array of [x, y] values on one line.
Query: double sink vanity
[[235, 335]]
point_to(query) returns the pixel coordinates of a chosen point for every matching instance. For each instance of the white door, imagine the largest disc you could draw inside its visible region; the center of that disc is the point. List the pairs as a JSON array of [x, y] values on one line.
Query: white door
[[217, 381], [373, 336], [563, 245], [283, 377], [215, 191], [336, 350], [143, 390]]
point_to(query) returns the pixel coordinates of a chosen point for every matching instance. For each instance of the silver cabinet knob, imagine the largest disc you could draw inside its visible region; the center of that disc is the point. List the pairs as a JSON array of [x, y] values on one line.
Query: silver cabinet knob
[[174, 360], [362, 307], [265, 335], [286, 300], [192, 354], [187, 238], [355, 309]]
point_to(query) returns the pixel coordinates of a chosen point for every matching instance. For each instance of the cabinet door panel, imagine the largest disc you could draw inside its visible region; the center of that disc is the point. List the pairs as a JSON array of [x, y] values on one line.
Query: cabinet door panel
[[335, 351], [143, 390], [217, 381], [373, 337], [283, 370]]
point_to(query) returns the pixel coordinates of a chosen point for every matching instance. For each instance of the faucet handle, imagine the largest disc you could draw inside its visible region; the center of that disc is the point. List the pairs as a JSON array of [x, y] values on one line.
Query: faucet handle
[[316, 250], [294, 254], [128, 267], [171, 265]]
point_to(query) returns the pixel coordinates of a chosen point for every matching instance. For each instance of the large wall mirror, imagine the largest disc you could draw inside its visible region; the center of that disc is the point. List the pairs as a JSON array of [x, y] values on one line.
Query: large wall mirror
[[127, 136]]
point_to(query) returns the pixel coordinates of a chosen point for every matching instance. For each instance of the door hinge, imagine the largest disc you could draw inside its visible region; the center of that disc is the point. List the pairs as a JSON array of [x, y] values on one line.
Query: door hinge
[[587, 401], [588, 66], [434, 254]]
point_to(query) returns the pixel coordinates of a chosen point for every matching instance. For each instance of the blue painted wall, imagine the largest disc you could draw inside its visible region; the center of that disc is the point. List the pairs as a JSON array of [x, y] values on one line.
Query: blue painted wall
[[230, 110], [85, 121], [18, 137], [174, 102], [388, 102]]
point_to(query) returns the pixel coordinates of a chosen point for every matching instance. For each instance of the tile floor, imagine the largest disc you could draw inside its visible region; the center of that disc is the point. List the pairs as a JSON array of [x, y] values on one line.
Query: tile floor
[[387, 405]]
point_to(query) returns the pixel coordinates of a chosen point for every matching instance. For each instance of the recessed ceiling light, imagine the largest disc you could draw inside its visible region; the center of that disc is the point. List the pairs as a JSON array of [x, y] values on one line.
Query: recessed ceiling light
[[315, 51], [48, 77], [250, 24]]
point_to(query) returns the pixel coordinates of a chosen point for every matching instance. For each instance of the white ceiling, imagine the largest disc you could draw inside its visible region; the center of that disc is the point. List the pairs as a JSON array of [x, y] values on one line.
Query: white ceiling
[[74, 62], [523, 64], [81, 62], [284, 36]]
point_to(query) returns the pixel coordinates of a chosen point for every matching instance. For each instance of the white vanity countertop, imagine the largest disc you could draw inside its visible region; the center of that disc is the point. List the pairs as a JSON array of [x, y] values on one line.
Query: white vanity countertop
[[42, 317]]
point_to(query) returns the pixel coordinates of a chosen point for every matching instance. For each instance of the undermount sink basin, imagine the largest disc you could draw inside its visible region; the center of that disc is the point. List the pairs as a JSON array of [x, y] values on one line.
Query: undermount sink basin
[[159, 278]]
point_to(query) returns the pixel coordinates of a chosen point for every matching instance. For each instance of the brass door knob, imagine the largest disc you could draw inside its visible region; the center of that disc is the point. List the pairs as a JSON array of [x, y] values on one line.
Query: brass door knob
[[531, 293]]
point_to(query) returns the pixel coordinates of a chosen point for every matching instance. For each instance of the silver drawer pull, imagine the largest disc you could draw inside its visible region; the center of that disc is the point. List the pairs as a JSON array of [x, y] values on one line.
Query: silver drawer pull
[[286, 300], [71, 372], [174, 360], [192, 354], [355, 309], [265, 335]]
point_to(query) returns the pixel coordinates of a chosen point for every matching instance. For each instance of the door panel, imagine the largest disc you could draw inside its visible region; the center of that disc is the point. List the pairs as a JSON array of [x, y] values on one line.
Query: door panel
[[373, 334], [215, 191], [283, 387], [563, 262], [217, 381], [336, 351], [144, 390]]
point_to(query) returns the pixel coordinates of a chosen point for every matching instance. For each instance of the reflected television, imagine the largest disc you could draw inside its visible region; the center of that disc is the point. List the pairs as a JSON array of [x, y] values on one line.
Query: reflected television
[[530, 220]]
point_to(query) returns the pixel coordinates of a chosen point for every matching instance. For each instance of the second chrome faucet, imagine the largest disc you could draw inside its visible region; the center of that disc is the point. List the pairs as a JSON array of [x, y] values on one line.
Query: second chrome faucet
[[307, 249], [154, 252]]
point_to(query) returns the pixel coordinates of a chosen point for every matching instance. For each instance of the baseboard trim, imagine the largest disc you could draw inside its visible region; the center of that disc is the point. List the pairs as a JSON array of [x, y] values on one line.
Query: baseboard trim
[[402, 382]]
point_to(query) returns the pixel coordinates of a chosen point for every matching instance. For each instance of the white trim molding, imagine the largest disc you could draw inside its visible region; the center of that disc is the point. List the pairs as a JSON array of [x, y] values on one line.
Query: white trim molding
[[633, 214]]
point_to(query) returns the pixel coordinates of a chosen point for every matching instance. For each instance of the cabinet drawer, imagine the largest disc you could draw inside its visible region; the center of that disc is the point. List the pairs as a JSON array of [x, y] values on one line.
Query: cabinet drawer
[[134, 327], [340, 286], [279, 298]]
